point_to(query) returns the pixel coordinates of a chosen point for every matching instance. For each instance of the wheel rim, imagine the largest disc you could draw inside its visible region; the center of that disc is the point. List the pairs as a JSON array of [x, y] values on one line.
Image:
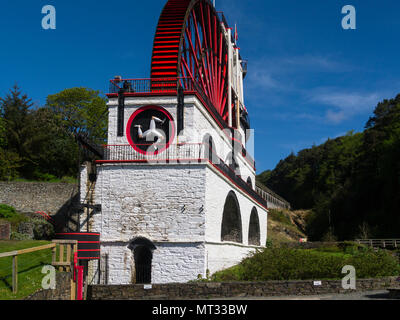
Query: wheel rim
[[190, 43]]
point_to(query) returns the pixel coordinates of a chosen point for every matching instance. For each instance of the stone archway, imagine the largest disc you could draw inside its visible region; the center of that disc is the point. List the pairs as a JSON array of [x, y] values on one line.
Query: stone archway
[[209, 148], [231, 229], [142, 249], [254, 229]]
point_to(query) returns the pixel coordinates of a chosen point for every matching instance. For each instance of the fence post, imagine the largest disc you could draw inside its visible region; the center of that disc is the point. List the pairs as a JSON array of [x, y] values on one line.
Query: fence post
[[15, 274]]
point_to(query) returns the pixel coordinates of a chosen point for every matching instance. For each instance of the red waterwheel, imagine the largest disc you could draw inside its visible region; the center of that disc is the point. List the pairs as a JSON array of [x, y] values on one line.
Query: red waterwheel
[[190, 43]]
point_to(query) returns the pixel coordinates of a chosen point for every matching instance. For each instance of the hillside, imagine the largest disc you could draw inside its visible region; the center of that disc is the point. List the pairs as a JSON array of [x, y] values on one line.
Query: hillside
[[351, 183], [286, 226]]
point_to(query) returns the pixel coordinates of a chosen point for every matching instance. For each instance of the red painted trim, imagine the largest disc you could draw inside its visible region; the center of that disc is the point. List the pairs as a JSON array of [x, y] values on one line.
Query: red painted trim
[[89, 241], [135, 114]]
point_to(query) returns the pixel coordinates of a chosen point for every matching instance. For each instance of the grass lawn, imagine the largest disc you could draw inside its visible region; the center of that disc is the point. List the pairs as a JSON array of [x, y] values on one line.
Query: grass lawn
[[29, 268]]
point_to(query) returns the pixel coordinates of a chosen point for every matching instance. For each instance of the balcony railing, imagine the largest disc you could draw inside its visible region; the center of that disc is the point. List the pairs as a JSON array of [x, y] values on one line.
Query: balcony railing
[[169, 86], [182, 154], [140, 86], [176, 152]]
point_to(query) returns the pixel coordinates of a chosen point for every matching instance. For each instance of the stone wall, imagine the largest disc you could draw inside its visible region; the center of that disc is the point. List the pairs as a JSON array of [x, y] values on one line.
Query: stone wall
[[62, 291], [5, 231], [205, 290], [29, 197]]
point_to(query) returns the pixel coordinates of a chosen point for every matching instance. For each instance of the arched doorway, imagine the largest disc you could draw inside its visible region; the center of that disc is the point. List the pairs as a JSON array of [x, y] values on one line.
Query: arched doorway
[[231, 220], [143, 255], [254, 229], [209, 146]]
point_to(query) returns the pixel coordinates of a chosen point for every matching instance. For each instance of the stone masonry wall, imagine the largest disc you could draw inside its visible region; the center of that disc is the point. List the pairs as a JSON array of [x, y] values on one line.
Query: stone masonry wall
[[62, 291], [29, 197], [207, 290]]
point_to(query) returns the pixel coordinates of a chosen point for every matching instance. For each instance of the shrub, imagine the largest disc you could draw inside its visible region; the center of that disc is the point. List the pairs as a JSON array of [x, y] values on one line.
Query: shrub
[[7, 212], [19, 236], [42, 230], [300, 264]]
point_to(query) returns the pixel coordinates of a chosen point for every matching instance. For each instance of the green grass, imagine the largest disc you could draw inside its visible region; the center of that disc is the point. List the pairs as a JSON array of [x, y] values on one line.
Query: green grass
[[279, 216], [29, 268]]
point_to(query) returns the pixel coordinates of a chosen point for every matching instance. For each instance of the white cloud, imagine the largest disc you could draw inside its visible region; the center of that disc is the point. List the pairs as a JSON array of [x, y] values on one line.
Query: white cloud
[[345, 104]]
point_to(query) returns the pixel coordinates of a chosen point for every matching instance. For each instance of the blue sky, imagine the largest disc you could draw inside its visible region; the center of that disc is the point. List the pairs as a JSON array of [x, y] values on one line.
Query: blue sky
[[308, 79]]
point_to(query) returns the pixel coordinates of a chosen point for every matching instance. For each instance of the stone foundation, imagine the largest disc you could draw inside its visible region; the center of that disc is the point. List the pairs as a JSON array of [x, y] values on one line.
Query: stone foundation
[[207, 290]]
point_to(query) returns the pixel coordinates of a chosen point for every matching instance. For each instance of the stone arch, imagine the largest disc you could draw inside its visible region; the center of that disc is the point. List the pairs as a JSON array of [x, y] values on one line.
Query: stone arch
[[142, 249], [254, 228], [231, 229]]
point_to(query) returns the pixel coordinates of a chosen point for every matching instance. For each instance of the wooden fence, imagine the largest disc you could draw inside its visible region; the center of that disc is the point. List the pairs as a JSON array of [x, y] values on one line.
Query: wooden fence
[[380, 243]]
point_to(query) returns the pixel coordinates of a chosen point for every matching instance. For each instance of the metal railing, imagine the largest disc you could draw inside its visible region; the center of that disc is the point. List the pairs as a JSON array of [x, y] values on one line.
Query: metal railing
[[179, 153], [169, 86], [155, 85], [272, 199]]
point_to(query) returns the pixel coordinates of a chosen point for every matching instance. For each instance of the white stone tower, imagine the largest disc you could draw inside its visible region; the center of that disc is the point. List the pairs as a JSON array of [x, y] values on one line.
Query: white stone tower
[[176, 185]]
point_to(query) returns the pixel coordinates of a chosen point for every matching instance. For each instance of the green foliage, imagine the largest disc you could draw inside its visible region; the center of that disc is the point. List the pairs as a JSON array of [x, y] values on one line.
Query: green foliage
[[42, 230], [279, 216], [81, 110], [7, 212], [39, 143], [300, 264], [351, 183], [19, 236]]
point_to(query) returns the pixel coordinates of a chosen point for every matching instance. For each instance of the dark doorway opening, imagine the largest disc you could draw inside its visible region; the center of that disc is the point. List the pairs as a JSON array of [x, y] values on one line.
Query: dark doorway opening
[[142, 249], [143, 259]]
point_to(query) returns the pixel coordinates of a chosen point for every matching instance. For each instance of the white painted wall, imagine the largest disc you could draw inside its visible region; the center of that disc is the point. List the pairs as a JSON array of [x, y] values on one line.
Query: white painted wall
[[221, 256], [217, 189]]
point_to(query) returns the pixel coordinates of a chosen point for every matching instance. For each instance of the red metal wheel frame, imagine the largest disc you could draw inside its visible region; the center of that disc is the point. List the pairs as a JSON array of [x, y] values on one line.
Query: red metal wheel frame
[[189, 43]]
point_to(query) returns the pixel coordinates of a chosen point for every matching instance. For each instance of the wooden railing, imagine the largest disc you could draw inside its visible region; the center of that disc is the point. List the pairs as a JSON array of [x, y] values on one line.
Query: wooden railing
[[64, 259], [15, 254], [380, 243]]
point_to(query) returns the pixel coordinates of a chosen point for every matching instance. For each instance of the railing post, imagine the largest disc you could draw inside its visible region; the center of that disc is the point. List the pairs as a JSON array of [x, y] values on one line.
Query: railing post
[[54, 254], [15, 274]]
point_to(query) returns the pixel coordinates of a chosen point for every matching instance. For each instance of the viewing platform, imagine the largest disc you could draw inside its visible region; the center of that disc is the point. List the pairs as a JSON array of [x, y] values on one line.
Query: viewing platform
[[189, 153]]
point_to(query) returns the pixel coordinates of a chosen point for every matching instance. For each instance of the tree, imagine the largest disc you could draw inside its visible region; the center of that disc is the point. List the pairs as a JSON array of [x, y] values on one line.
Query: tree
[[16, 110], [81, 110], [349, 181]]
